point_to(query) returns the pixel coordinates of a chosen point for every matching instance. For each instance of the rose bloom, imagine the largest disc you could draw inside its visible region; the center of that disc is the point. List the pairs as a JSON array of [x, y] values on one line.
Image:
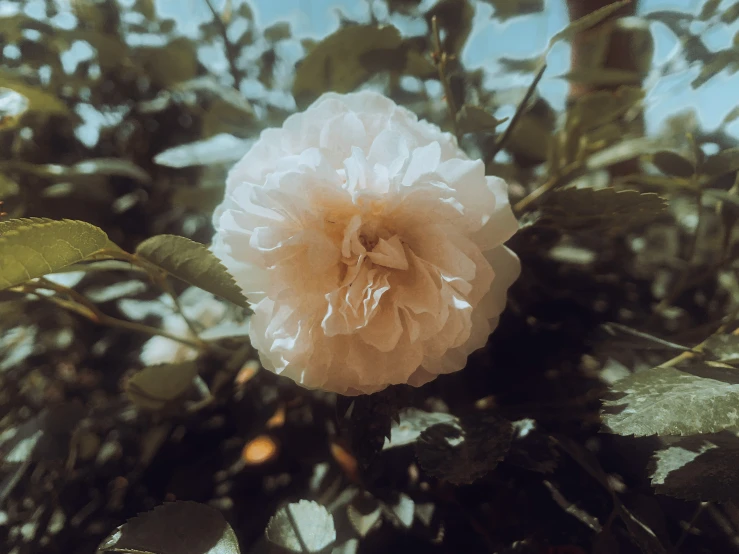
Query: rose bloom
[[368, 244]]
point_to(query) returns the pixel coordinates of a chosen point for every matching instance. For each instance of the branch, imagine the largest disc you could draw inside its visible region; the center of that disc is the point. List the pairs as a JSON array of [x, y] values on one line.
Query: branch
[[228, 47]]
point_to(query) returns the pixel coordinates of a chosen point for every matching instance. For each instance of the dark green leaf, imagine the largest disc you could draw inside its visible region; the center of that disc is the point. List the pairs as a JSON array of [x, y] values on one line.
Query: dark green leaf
[[473, 119], [601, 210], [33, 247], [506, 9], [155, 387], [596, 109], [344, 60], [193, 263], [174, 528], [464, 455], [526, 65], [367, 420], [303, 526], [722, 163], [673, 163], [666, 401]]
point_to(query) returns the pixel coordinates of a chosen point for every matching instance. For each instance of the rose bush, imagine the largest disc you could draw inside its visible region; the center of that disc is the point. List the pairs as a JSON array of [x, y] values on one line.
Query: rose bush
[[368, 244]]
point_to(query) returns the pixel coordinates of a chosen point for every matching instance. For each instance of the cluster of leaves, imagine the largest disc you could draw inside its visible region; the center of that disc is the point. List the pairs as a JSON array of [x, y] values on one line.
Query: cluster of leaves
[[109, 172]]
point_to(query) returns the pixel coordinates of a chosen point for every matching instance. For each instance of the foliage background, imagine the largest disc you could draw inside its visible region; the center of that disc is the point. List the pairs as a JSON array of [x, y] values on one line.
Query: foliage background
[[622, 224]]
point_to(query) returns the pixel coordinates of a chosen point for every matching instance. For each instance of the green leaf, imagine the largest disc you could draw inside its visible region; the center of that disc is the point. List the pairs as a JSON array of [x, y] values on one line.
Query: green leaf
[[666, 401], [733, 115], [719, 61], [699, 468], [193, 263], [303, 526], [730, 15], [601, 210], [473, 119], [709, 9], [506, 9], [344, 60], [463, 456], [278, 31], [166, 65], [31, 248], [724, 348], [602, 76], [673, 163], [722, 163], [182, 527], [155, 387], [525, 65], [218, 149], [588, 21]]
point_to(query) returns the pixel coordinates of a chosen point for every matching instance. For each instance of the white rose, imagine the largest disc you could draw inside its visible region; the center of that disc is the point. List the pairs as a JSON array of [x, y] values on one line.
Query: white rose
[[368, 244]]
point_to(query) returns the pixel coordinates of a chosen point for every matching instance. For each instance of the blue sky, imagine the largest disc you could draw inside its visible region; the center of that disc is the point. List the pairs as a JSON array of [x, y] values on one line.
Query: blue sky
[[521, 38]]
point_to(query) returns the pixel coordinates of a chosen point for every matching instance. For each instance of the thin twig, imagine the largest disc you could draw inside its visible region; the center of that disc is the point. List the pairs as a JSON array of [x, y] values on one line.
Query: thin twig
[[699, 510], [227, 45], [91, 312], [647, 336], [519, 112], [440, 60]]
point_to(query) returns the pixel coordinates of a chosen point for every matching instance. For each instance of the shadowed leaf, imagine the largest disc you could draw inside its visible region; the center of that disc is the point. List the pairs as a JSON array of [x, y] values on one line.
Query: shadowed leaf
[[473, 119], [154, 387], [699, 468], [463, 456], [591, 20], [603, 210]]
